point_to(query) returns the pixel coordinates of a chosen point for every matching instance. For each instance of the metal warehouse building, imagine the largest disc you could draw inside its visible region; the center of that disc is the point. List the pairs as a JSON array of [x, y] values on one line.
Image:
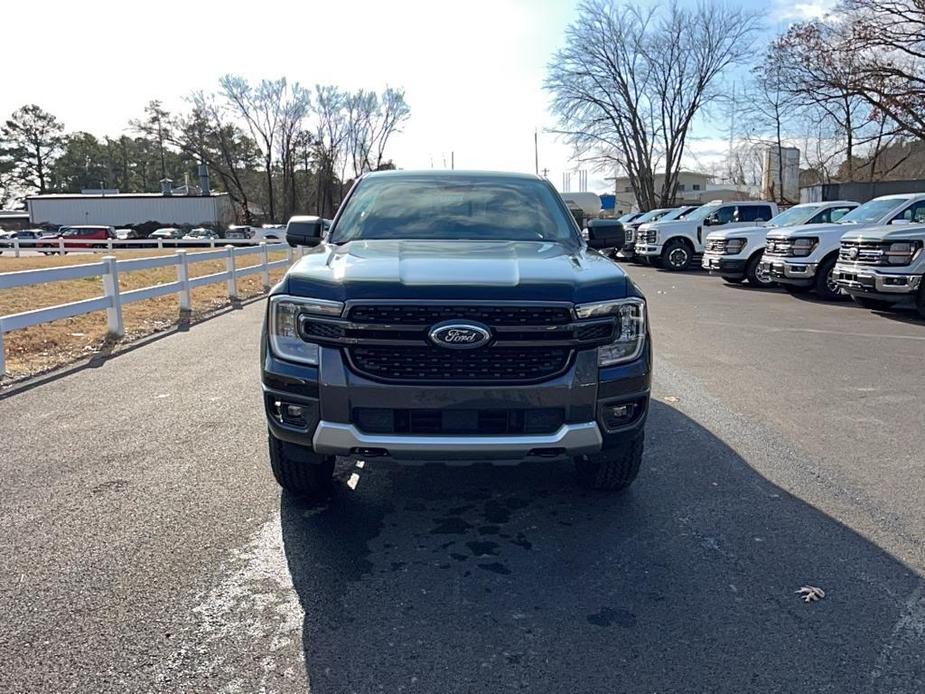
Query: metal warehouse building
[[127, 209]]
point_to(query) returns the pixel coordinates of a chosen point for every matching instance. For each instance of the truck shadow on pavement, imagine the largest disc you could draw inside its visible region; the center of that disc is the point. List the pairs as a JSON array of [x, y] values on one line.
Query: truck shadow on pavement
[[487, 579]]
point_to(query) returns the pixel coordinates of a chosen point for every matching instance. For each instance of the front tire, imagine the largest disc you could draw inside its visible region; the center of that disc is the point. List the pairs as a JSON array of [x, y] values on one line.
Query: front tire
[[755, 277], [825, 282], [677, 255], [733, 280], [613, 469], [300, 470]]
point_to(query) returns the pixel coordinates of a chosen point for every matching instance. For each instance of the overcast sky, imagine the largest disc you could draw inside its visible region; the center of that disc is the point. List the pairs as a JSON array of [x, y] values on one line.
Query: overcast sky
[[472, 71]]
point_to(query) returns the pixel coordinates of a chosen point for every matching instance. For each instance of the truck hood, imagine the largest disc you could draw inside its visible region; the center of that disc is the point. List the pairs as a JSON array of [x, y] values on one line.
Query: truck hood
[[888, 232], [672, 225], [503, 270], [819, 230]]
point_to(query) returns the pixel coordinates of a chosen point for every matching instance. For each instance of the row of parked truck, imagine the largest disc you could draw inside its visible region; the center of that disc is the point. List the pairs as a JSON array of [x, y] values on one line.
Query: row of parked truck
[[872, 253]]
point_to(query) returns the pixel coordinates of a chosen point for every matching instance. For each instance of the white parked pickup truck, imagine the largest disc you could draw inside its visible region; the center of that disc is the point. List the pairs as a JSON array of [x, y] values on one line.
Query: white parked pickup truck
[[882, 267], [735, 254], [674, 244], [803, 258]]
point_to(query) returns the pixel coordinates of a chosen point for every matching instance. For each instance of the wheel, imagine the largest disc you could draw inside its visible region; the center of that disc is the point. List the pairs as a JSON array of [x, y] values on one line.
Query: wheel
[[872, 304], [298, 469], [825, 282], [613, 469], [733, 280], [676, 255], [796, 290], [755, 276]]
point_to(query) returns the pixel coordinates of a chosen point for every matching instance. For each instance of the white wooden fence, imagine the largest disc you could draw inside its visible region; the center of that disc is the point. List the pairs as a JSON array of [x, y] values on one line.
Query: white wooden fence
[[113, 298], [59, 245]]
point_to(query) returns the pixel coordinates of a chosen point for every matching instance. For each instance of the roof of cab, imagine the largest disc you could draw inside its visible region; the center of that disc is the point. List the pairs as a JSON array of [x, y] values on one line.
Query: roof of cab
[[445, 173]]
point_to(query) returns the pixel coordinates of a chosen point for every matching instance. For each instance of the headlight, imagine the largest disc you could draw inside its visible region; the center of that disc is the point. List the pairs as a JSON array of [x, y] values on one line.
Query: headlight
[[902, 252], [283, 326], [803, 247], [735, 246], [631, 329]]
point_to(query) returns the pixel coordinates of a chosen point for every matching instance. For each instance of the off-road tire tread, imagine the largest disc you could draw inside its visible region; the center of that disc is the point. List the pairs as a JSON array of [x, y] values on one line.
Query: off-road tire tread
[[611, 470], [300, 478]]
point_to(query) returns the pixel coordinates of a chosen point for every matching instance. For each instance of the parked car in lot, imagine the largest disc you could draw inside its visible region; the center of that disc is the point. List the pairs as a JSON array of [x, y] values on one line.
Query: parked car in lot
[[126, 234], [674, 244], [882, 267], [452, 330], [735, 254], [27, 238], [803, 258], [76, 238], [628, 252], [201, 234], [167, 234]]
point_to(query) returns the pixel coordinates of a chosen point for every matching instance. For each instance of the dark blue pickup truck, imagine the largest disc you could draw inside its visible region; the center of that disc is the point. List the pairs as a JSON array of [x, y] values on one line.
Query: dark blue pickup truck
[[455, 317]]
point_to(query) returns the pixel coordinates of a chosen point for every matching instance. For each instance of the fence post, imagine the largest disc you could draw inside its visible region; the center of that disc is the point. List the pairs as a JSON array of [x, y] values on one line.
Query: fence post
[[266, 267], [289, 254], [61, 245], [2, 366], [186, 299], [16, 253], [232, 277], [111, 290], [160, 242], [212, 243], [109, 245]]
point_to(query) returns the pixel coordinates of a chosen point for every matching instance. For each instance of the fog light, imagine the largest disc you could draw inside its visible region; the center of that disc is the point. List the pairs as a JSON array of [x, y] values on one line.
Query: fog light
[[288, 413], [615, 416], [895, 281]]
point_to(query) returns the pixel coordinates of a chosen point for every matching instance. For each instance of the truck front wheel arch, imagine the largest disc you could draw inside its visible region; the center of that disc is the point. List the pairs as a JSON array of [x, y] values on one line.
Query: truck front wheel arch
[[305, 474], [755, 277], [825, 282]]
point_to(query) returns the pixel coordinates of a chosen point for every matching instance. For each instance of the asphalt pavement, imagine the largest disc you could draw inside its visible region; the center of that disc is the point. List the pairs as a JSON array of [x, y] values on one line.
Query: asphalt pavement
[[145, 546]]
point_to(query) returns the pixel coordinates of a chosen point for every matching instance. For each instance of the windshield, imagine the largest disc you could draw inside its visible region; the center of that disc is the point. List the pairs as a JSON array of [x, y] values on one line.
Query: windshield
[[653, 215], [795, 215], [676, 213], [628, 217], [871, 211], [703, 212], [454, 207]]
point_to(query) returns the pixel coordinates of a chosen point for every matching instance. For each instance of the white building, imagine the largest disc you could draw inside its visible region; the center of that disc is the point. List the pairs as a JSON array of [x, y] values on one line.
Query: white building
[[128, 209], [692, 187]]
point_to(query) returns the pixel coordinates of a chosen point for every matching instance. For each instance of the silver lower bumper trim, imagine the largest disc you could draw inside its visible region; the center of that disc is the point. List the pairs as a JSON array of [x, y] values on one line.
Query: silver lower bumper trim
[[334, 438]]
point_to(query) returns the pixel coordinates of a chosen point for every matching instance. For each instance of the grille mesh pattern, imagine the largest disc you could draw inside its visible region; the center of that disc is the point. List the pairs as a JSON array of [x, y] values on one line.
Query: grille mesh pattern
[[500, 364], [430, 314]]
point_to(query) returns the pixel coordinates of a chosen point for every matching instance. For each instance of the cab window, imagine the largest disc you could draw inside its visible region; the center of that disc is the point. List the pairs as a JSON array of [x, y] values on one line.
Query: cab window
[[724, 215], [914, 213], [753, 213], [829, 215]]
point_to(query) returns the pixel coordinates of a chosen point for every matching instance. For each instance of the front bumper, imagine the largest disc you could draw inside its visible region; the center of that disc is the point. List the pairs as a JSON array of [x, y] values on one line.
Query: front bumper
[[648, 249], [724, 265], [331, 395], [799, 274], [865, 280]]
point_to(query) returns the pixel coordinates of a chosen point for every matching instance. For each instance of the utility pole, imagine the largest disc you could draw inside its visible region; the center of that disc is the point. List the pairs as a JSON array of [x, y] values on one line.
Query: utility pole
[[536, 152], [452, 160]]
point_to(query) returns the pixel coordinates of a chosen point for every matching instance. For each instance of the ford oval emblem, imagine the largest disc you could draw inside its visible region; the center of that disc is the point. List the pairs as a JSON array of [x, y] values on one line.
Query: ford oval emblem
[[853, 253], [458, 335]]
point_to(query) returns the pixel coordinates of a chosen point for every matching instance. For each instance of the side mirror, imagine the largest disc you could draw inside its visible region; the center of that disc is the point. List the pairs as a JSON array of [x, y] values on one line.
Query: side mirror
[[304, 231], [606, 233], [900, 222], [711, 220]]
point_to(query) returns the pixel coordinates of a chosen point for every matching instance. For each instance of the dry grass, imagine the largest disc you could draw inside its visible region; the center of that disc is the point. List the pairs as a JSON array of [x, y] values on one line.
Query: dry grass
[[42, 347]]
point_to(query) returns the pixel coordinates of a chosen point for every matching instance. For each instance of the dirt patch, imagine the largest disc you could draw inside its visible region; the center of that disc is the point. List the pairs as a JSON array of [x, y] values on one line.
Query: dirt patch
[[39, 348]]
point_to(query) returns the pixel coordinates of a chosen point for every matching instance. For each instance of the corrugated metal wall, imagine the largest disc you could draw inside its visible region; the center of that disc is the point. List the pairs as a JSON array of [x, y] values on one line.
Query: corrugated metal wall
[[120, 211]]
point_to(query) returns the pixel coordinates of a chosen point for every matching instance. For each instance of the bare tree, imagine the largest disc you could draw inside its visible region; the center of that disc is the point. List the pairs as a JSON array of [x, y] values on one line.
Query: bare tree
[[371, 122], [630, 81], [330, 140], [261, 108]]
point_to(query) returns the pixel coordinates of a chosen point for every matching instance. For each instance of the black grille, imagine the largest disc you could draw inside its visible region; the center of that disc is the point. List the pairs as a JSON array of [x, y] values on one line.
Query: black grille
[[486, 422], [497, 364], [312, 329], [391, 314], [598, 331]]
